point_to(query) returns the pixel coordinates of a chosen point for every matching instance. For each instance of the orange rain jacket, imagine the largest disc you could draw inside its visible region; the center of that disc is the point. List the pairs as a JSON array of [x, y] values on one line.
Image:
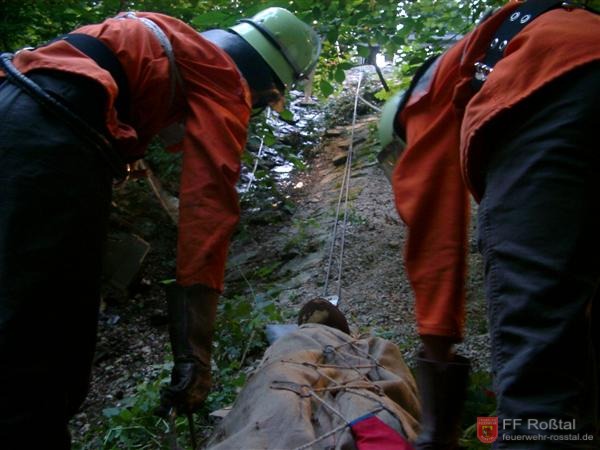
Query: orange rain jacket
[[445, 140], [214, 105]]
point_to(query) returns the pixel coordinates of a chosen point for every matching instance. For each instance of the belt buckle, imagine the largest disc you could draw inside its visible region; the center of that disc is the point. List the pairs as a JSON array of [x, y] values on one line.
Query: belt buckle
[[482, 71]]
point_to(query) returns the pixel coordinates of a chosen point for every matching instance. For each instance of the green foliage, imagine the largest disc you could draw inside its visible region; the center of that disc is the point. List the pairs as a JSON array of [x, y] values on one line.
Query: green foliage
[[299, 242], [480, 402], [30, 22], [326, 88], [266, 271], [404, 31], [241, 329], [355, 218], [240, 335], [382, 333], [286, 115], [166, 164], [131, 423]]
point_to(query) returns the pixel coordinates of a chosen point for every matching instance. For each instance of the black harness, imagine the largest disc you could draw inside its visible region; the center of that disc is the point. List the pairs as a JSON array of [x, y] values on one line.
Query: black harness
[[104, 57], [97, 50], [518, 20]]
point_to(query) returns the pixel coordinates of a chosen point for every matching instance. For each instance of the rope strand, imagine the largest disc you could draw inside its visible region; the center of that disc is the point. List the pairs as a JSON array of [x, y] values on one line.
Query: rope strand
[[344, 193]]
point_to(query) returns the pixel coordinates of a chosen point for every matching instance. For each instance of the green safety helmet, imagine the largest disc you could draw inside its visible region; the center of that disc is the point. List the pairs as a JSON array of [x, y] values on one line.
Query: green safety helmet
[[387, 121], [389, 154], [289, 46]]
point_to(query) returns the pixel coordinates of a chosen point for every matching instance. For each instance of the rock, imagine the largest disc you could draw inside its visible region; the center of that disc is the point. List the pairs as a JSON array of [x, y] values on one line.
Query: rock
[[241, 258], [343, 145], [296, 282], [123, 259], [339, 159], [334, 132], [221, 413], [329, 178], [301, 263]]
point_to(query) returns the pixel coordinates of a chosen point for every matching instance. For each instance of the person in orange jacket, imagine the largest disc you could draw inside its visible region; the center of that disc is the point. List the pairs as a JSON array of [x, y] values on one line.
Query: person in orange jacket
[[509, 114], [73, 112]]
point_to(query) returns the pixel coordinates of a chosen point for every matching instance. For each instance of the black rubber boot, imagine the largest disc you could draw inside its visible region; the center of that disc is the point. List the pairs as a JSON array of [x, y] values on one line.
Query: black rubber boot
[[443, 390]]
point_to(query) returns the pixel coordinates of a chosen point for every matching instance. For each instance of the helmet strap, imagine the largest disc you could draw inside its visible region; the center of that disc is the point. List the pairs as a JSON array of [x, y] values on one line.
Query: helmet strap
[[252, 66]]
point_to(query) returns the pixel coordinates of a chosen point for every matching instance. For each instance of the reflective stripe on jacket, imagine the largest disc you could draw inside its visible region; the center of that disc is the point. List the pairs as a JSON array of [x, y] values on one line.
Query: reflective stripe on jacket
[[215, 108], [445, 144]]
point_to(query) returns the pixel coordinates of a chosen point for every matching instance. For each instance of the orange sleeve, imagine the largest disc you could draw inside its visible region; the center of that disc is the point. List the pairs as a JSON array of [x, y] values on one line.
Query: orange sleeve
[[217, 116], [433, 201], [208, 202]]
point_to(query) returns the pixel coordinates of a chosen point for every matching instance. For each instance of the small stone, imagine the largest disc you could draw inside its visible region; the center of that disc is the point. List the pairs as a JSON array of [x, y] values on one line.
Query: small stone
[[340, 159]]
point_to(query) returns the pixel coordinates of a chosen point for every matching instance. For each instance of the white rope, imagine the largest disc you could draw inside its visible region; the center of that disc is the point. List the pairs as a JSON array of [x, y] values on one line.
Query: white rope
[[369, 104], [323, 436], [344, 191], [348, 387], [258, 156], [257, 159]]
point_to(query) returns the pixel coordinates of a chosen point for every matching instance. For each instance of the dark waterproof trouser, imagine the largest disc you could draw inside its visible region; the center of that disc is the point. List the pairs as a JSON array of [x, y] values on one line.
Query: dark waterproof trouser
[[54, 198], [539, 232]]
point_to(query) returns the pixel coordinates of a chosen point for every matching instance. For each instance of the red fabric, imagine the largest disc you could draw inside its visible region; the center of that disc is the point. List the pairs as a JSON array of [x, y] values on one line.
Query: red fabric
[[214, 105], [445, 146], [371, 433]]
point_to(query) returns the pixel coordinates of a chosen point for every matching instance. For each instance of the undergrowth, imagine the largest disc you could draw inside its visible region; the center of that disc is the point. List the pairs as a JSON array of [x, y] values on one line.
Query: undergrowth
[[239, 339]]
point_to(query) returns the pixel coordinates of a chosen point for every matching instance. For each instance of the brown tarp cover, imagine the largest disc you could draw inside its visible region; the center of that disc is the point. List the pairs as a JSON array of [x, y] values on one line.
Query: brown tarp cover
[[310, 384]]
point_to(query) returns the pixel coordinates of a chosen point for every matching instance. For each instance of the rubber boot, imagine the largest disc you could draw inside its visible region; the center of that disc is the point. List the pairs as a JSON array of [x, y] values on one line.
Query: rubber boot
[[443, 390]]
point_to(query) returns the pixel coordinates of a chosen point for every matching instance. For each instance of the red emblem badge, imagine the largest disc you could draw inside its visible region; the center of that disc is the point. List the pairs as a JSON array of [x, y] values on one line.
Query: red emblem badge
[[487, 429]]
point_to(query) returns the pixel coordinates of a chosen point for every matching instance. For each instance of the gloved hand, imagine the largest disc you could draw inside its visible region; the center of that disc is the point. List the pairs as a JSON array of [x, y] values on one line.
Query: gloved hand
[[192, 312]]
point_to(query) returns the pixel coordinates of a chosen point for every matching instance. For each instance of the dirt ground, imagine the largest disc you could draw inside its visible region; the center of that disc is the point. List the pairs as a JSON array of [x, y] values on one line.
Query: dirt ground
[[292, 250]]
